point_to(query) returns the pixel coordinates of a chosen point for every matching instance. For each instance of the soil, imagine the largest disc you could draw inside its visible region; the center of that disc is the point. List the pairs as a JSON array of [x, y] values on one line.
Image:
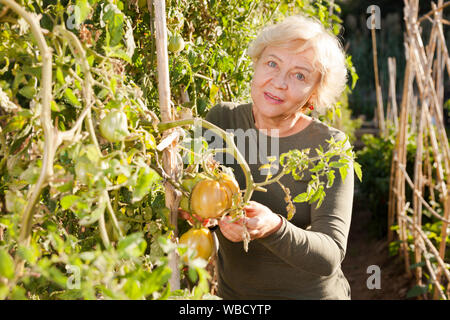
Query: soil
[[364, 251]]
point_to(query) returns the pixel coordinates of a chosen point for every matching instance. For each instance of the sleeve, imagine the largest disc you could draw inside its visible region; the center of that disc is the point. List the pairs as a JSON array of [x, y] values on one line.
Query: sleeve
[[321, 249]]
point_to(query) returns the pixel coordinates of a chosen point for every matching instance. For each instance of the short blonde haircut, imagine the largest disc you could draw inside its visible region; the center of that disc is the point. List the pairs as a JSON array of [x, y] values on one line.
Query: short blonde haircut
[[329, 55]]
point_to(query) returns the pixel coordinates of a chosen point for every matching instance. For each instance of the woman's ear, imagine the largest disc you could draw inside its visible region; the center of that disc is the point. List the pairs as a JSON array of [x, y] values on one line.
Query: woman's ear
[[312, 98]]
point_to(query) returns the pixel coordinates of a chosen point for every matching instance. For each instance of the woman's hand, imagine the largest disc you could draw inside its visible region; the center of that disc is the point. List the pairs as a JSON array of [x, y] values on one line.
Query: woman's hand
[[260, 222]]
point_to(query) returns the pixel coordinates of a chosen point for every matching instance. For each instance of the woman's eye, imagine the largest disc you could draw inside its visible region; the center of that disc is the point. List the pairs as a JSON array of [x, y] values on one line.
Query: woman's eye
[[299, 76], [272, 64]]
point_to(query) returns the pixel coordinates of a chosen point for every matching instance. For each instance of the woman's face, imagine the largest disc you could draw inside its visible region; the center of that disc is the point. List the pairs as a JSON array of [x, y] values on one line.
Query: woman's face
[[283, 82]]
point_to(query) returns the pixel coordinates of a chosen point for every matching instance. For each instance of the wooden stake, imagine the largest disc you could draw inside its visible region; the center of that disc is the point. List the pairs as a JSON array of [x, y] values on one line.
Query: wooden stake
[[392, 111], [380, 111], [417, 204], [167, 114]]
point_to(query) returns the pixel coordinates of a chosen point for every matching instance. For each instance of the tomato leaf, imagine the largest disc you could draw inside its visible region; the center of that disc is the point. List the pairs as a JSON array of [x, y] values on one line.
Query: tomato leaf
[[6, 265], [146, 178], [132, 245], [71, 98], [343, 171], [67, 201], [95, 215], [357, 168], [302, 197]]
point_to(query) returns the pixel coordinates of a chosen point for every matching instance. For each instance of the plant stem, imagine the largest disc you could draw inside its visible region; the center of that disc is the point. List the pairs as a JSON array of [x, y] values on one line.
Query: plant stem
[[78, 51], [231, 148], [50, 144], [103, 233], [49, 132]]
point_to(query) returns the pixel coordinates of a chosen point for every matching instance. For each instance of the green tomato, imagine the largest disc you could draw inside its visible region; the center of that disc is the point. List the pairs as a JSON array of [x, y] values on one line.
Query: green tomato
[[148, 213], [176, 43], [189, 183], [114, 127], [184, 204]]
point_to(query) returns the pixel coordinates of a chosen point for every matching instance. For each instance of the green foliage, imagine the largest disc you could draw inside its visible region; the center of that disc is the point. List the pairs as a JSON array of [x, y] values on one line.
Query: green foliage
[[375, 159], [213, 65], [321, 167], [94, 217]]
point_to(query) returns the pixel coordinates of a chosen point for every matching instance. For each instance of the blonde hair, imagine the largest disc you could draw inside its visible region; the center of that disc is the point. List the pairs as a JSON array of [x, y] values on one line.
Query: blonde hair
[[329, 55]]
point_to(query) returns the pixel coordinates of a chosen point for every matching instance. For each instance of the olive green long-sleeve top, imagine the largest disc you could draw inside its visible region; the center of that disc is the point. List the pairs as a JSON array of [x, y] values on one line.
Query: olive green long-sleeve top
[[301, 260]]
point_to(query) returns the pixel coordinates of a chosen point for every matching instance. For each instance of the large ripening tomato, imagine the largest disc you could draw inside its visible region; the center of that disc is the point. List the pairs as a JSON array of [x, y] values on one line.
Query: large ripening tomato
[[200, 240], [114, 127], [231, 184], [210, 198]]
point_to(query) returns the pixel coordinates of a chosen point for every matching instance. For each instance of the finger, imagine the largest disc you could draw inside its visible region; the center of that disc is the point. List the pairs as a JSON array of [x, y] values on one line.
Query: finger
[[252, 209], [253, 223], [254, 234], [230, 226], [230, 235], [231, 231], [251, 206]]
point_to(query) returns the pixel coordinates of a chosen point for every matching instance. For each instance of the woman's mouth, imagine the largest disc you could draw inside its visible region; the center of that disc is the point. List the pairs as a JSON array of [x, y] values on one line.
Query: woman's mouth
[[271, 98]]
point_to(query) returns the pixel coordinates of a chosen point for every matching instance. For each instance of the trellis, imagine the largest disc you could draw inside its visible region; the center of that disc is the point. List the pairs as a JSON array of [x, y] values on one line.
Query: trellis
[[421, 114]]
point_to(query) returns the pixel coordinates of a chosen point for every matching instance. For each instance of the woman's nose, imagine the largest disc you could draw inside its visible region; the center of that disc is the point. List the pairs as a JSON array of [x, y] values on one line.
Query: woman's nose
[[279, 81]]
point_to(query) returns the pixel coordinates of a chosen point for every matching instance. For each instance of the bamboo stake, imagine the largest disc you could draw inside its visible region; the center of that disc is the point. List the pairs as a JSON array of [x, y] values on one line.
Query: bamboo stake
[[169, 154], [400, 186], [414, 107], [380, 111], [419, 196], [429, 244], [392, 197], [401, 160], [429, 89], [444, 48], [440, 8], [429, 179], [397, 154], [440, 96], [392, 111], [427, 64], [417, 204]]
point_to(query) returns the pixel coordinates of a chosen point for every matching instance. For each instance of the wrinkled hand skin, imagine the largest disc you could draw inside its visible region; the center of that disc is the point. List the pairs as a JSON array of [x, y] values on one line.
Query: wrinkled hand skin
[[260, 222]]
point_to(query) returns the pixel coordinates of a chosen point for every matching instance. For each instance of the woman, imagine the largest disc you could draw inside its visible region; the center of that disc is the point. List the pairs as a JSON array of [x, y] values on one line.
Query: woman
[[298, 66]]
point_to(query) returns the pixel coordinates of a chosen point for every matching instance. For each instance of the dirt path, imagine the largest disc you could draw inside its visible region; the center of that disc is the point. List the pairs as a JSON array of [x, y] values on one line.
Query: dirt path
[[363, 252]]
